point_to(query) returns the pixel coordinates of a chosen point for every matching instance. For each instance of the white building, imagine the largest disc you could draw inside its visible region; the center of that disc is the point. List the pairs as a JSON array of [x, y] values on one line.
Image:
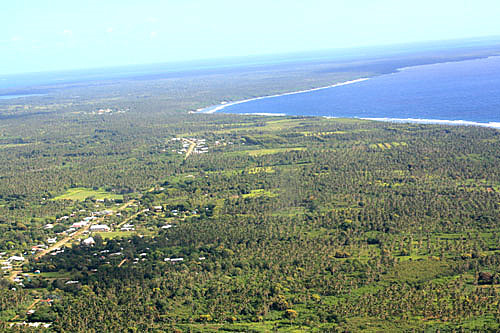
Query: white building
[[15, 258], [99, 227], [79, 224], [88, 241], [127, 227]]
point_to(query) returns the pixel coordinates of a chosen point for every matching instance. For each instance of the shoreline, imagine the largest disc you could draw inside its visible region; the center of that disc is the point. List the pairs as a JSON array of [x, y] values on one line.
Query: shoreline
[[491, 124], [401, 69], [449, 122], [218, 107]]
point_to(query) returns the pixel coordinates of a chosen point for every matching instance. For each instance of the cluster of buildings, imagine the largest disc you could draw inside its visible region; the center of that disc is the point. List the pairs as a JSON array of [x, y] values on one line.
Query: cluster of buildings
[[38, 248], [85, 222], [200, 145], [108, 111], [32, 324], [173, 259], [127, 227], [12, 260]]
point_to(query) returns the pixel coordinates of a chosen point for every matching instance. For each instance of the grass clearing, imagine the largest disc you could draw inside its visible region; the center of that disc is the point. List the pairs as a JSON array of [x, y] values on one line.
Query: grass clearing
[[82, 193], [387, 145], [259, 193], [412, 271], [261, 152], [13, 145], [54, 275], [114, 234], [256, 170]]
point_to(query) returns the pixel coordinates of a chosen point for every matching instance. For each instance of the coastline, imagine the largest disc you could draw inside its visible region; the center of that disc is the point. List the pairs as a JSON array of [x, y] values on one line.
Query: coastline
[[450, 122], [444, 62], [490, 124], [219, 107], [223, 105]]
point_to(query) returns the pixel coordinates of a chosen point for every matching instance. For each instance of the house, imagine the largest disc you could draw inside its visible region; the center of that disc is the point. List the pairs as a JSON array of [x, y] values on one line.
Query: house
[[104, 212], [100, 227], [78, 225], [88, 241], [176, 259], [157, 208], [127, 227], [52, 240], [48, 226], [35, 248], [15, 258], [32, 324]]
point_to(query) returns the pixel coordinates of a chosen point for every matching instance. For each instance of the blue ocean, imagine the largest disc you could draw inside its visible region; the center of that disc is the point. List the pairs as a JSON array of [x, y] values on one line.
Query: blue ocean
[[454, 92]]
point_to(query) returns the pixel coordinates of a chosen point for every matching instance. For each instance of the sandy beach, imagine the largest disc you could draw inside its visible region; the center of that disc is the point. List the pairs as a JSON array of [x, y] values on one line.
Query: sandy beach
[[215, 108]]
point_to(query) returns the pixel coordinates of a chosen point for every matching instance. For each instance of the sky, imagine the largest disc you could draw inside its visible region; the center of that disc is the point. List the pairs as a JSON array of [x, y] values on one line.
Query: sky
[[74, 34]]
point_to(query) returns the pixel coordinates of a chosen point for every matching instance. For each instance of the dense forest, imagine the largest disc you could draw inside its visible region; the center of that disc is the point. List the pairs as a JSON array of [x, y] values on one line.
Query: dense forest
[[242, 223]]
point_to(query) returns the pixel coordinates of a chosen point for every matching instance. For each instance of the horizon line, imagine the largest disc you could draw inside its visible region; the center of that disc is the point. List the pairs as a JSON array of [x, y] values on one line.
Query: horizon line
[[292, 56]]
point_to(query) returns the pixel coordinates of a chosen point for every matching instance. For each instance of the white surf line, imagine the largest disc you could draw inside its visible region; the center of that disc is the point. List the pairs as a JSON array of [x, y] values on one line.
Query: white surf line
[[213, 109], [438, 121], [446, 62], [265, 114]]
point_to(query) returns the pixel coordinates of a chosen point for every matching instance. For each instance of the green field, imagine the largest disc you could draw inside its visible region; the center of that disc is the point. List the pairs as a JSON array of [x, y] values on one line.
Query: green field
[[261, 152], [259, 193], [286, 224], [115, 234], [82, 193]]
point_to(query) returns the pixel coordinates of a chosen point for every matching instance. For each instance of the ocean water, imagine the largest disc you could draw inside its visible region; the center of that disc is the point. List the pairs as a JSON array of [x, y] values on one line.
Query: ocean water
[[19, 96], [465, 92]]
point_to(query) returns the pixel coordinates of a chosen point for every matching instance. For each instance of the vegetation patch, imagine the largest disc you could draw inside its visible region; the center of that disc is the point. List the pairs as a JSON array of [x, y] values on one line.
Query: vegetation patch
[[82, 193], [256, 170], [115, 234], [260, 152], [259, 193]]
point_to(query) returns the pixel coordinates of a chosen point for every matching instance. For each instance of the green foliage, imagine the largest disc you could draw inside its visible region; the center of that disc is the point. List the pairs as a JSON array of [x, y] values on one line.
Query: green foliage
[[286, 224], [80, 194]]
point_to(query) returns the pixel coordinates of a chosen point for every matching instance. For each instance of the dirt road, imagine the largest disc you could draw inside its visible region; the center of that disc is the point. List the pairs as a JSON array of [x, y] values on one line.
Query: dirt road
[[191, 148], [32, 305]]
